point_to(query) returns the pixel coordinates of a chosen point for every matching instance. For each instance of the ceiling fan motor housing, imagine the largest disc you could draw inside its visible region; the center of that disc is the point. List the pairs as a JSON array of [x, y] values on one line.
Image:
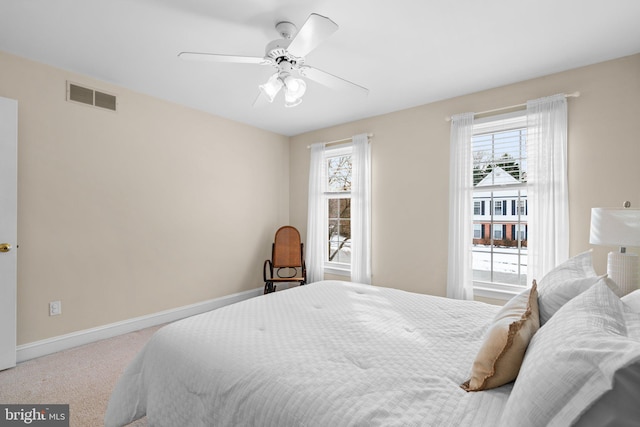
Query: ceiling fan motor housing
[[286, 29], [277, 51]]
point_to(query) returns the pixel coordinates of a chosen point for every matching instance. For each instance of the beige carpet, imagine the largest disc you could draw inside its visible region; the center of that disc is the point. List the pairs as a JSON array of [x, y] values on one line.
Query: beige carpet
[[82, 377]]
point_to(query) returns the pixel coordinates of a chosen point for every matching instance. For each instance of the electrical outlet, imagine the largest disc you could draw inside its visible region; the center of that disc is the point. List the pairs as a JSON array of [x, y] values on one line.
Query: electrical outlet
[[55, 308]]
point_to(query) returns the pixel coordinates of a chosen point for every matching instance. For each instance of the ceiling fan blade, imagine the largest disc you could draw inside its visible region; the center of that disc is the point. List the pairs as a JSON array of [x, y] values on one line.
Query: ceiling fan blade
[[331, 81], [261, 100], [214, 57], [315, 30]]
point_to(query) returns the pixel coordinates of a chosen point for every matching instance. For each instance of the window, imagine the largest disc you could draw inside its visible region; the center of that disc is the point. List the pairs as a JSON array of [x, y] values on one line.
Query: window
[[497, 231], [476, 207], [491, 155], [338, 163], [520, 230], [477, 231], [339, 210], [500, 177], [497, 207]]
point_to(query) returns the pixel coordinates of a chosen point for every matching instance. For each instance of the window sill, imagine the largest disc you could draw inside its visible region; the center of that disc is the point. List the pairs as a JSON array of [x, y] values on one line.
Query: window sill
[[337, 271], [503, 293]]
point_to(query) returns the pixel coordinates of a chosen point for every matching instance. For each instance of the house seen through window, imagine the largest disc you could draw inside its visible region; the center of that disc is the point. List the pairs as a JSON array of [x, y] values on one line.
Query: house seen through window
[[499, 247]]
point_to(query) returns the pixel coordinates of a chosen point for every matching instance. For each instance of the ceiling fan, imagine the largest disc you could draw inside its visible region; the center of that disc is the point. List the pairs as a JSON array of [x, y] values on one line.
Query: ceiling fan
[[287, 56]]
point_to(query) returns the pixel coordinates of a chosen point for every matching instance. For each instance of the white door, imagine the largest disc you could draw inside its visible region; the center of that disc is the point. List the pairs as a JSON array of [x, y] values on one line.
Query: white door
[[8, 229]]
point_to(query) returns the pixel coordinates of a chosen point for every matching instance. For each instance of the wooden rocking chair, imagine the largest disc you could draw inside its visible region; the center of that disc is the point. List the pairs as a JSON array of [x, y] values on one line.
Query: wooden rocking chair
[[287, 252]]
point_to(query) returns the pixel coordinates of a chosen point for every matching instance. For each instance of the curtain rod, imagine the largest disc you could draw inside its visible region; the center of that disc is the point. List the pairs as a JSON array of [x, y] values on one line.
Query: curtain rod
[[337, 141], [512, 107]]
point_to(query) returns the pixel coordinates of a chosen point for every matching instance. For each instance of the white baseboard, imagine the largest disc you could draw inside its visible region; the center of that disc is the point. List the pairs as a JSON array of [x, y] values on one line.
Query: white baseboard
[[63, 342]]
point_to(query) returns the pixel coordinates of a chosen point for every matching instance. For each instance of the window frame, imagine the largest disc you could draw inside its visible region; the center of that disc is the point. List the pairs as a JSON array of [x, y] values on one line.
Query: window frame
[[333, 267], [493, 124]]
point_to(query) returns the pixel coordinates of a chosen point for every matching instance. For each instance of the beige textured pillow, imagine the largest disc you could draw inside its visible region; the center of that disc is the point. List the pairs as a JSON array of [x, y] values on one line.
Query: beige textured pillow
[[499, 359]]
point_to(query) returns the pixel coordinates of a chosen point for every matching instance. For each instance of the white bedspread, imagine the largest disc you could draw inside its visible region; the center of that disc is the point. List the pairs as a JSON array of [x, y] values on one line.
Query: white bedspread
[[326, 354]]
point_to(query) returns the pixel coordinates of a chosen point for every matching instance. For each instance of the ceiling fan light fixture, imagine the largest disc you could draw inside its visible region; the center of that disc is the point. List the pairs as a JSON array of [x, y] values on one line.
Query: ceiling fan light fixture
[[290, 102], [271, 88], [295, 88]]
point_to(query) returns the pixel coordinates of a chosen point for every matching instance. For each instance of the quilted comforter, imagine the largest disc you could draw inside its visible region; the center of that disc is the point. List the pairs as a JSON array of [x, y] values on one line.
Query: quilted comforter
[[326, 354]]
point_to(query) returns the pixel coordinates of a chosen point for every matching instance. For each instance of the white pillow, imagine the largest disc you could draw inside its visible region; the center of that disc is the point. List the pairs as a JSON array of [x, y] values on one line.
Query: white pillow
[[563, 283], [572, 360], [618, 406], [576, 267], [632, 300], [560, 293]]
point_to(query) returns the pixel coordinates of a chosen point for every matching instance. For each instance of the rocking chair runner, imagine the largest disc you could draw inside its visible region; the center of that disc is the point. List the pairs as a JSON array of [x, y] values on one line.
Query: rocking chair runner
[[286, 253]]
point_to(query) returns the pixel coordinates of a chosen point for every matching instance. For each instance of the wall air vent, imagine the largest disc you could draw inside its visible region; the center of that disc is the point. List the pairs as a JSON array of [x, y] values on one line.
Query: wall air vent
[[89, 96]]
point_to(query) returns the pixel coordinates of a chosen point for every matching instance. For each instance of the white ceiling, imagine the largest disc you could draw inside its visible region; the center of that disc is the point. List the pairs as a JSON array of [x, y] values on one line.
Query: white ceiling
[[407, 52]]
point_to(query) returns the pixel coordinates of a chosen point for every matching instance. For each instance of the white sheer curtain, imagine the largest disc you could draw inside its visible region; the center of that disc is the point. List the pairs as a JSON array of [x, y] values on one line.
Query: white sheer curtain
[[459, 272], [361, 210], [547, 188], [316, 215]]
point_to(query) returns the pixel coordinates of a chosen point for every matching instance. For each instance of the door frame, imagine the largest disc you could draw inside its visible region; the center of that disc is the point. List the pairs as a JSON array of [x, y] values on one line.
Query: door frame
[[8, 230]]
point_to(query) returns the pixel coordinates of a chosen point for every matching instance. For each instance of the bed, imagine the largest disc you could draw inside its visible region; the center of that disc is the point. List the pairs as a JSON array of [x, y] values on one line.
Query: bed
[[344, 354]]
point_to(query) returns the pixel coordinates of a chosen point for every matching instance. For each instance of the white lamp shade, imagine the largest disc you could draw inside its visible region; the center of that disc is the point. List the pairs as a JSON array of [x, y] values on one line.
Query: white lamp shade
[[615, 227], [271, 87], [289, 102], [294, 89]]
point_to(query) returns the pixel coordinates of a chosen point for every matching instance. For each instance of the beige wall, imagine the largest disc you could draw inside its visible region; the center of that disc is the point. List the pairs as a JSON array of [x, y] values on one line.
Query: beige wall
[[410, 152], [158, 206], [130, 213]]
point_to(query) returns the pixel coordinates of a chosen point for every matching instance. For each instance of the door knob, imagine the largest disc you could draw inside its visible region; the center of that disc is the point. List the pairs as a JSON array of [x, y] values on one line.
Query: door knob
[[5, 247]]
